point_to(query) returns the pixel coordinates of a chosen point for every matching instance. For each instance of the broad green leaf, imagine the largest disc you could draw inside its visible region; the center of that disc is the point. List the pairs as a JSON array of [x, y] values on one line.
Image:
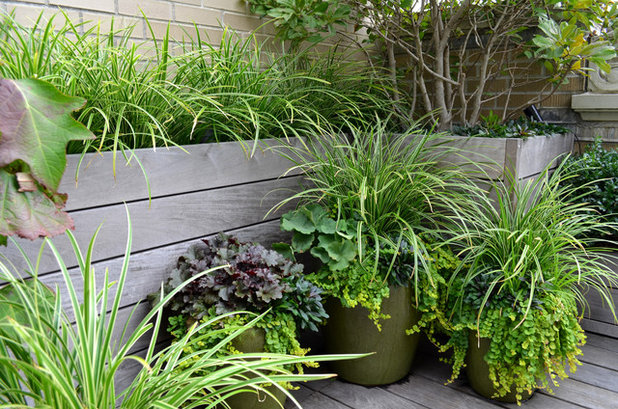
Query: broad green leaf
[[302, 242], [321, 253], [297, 221], [284, 249], [30, 214], [35, 127], [342, 251]]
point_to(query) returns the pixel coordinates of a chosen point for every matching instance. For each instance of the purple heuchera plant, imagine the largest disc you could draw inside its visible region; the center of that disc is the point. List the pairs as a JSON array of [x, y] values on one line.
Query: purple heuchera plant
[[254, 280]]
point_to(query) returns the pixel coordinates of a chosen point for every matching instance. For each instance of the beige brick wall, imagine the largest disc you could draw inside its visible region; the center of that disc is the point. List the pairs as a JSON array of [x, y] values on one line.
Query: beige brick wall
[[209, 15]]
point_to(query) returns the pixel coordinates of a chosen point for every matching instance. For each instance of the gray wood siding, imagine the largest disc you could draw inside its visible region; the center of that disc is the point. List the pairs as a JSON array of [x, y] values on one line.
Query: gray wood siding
[[196, 191]]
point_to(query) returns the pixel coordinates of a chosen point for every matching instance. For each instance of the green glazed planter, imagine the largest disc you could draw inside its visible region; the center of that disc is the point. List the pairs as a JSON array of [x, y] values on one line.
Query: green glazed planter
[[253, 340], [349, 330], [477, 371]]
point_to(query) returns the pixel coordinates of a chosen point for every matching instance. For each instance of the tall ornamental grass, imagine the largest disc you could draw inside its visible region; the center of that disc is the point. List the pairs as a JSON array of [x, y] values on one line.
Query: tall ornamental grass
[[537, 237], [163, 92], [395, 186]]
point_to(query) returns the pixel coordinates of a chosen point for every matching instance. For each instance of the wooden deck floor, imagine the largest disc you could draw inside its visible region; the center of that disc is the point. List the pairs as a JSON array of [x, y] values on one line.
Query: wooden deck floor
[[593, 385]]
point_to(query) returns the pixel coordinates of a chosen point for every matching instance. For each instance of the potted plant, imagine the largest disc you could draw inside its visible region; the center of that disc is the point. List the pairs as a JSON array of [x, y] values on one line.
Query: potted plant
[[370, 215], [511, 307], [252, 279], [57, 357]]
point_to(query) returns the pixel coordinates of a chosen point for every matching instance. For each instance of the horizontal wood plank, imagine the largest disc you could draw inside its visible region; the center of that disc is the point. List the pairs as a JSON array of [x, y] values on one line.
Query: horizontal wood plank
[[310, 399], [598, 327], [600, 356], [166, 221], [358, 396], [599, 341], [472, 154], [587, 396], [434, 394], [596, 376], [169, 171], [599, 309]]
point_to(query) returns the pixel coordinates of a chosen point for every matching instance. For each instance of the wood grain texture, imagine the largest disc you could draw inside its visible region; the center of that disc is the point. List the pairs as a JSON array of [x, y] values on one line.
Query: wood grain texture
[[607, 343], [485, 153], [310, 399], [540, 151], [358, 396], [167, 220], [598, 327], [597, 376], [522, 157], [600, 356], [170, 171], [599, 309], [434, 394]]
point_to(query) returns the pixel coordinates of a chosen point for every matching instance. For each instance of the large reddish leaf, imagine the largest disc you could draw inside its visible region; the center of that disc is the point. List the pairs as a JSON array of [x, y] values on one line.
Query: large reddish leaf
[[30, 214], [35, 127]]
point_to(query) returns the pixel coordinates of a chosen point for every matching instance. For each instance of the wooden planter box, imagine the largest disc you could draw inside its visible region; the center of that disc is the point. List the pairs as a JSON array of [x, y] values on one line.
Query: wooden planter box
[[194, 193], [495, 158], [598, 317]]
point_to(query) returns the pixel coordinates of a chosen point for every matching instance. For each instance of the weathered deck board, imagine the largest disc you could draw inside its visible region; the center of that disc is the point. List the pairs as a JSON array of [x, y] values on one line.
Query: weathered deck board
[[602, 342], [172, 171], [434, 394], [593, 386], [358, 396], [600, 356]]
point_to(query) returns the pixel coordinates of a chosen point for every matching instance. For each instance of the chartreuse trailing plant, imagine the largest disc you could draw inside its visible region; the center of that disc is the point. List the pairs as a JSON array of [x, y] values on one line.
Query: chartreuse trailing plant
[[377, 193], [52, 358], [527, 264], [252, 279]]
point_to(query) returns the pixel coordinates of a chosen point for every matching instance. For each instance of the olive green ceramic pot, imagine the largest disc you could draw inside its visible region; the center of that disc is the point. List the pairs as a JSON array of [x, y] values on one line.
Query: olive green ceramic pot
[[477, 371], [253, 340], [349, 330]]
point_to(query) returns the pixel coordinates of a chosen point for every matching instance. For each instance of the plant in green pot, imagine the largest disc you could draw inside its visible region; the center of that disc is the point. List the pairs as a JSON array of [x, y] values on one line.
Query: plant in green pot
[[252, 280], [511, 308], [370, 213]]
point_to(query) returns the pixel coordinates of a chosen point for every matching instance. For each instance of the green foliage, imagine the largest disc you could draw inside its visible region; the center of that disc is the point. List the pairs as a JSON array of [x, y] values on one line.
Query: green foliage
[[526, 267], [563, 47], [35, 127], [380, 187], [331, 241], [597, 172], [492, 127], [303, 20], [140, 95], [252, 279], [450, 43], [54, 358]]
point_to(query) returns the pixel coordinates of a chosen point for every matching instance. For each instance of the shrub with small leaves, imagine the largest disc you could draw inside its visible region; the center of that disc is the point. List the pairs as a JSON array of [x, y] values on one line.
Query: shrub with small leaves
[[519, 128], [597, 169]]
